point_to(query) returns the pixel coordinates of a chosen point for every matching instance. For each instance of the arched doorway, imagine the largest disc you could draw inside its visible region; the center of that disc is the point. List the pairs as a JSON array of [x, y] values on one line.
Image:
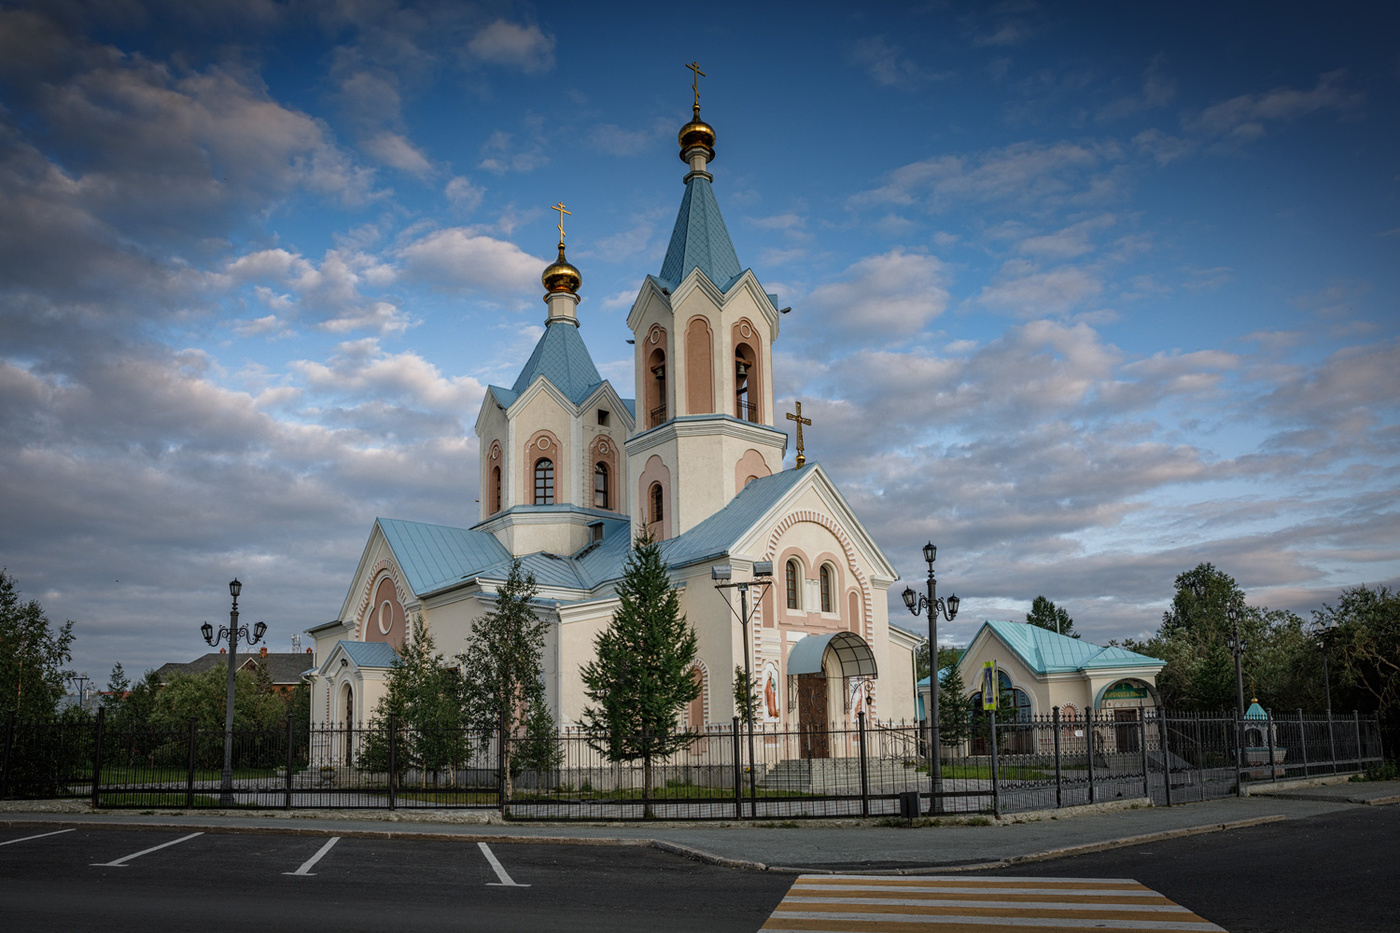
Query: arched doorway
[[815, 661], [1014, 735], [349, 727]]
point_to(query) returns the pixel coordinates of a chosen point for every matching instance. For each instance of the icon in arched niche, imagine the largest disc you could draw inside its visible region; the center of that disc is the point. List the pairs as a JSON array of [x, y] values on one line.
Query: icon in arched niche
[[861, 698], [770, 700]]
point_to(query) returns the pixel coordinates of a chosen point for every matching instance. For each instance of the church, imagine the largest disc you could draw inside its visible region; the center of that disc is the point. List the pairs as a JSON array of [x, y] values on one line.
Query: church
[[571, 471]]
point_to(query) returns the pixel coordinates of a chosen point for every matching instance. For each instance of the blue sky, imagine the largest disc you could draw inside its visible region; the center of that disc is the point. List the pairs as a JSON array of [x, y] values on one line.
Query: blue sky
[[1085, 293]]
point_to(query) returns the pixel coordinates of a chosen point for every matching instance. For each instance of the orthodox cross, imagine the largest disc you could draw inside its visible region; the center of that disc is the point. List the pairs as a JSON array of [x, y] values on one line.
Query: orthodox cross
[[695, 83], [560, 208], [801, 457]]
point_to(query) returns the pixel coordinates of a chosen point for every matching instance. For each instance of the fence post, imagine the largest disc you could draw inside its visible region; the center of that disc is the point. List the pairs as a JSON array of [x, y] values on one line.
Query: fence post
[[1163, 734], [738, 774], [1239, 755], [1089, 748], [1303, 740], [190, 762], [1356, 718], [288, 804], [996, 782], [393, 758], [97, 754], [9, 744], [1380, 742], [1055, 718], [1269, 740], [1331, 738], [501, 765], [864, 779], [1142, 740]]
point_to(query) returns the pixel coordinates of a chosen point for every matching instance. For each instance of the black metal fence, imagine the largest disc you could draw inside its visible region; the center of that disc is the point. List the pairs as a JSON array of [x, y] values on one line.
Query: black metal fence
[[860, 769]]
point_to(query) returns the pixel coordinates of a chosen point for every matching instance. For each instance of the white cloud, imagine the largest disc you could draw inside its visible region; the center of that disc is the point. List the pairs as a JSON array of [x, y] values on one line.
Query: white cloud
[[1245, 117], [464, 195], [463, 258], [506, 43], [1024, 290], [887, 65], [891, 295], [394, 150]]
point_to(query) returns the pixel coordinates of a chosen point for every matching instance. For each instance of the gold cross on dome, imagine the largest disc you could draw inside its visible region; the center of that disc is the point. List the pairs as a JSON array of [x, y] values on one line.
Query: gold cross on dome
[[695, 83], [560, 208], [801, 457]]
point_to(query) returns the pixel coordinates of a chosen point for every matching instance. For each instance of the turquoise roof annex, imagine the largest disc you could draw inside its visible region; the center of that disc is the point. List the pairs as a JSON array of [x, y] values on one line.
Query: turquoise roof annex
[[1047, 652]]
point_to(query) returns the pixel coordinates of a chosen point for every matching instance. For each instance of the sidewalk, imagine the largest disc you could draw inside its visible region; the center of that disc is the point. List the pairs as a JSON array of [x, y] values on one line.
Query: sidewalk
[[848, 845]]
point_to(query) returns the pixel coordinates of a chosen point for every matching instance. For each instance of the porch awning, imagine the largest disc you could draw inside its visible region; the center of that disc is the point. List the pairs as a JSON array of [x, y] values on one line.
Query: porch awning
[[852, 654]]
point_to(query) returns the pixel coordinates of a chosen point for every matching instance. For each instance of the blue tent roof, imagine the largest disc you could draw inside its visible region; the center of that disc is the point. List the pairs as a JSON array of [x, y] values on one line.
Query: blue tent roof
[[561, 357], [716, 534], [1047, 652], [700, 240]]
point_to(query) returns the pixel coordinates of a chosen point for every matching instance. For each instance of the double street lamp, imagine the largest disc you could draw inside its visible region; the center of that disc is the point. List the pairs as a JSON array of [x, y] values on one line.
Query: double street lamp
[[949, 610], [1238, 646], [232, 633], [1325, 631], [762, 579]]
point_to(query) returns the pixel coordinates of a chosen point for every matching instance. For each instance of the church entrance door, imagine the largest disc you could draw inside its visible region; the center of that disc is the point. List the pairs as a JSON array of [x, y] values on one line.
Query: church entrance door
[[1127, 729], [811, 715]]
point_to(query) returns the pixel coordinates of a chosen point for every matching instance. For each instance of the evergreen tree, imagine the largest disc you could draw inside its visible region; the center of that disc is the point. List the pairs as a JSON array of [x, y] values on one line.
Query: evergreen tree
[[953, 707], [503, 671], [1047, 615], [640, 679], [32, 655], [539, 749], [118, 686], [947, 657], [745, 696]]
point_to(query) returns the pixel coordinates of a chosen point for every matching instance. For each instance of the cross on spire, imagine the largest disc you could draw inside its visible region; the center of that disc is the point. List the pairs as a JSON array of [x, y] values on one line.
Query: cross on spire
[[695, 83], [560, 208], [801, 457]]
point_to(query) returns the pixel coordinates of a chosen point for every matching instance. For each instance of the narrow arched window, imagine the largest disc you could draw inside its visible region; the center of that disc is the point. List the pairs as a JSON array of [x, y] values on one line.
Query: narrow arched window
[[826, 587], [656, 392], [793, 573], [495, 489], [744, 399], [544, 481], [656, 502], [600, 485]]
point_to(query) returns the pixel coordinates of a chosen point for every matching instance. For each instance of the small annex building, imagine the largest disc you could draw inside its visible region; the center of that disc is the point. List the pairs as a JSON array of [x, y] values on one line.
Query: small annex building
[[284, 669], [572, 470], [1041, 670]]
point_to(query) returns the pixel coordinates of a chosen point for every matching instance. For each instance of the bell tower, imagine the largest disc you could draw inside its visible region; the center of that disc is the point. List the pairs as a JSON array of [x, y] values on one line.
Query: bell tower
[[704, 330]]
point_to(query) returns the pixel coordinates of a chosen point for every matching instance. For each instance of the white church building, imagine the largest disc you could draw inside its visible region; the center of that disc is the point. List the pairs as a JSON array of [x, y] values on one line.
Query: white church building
[[572, 469]]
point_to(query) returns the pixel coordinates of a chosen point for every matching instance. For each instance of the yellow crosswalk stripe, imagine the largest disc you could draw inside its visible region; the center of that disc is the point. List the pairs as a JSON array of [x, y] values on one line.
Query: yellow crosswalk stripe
[[974, 904]]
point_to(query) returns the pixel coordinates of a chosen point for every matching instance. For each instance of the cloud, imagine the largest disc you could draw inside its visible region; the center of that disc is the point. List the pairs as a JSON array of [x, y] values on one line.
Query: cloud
[[1022, 289], [1069, 243], [502, 153], [464, 195], [887, 65], [462, 258], [1245, 118], [618, 141], [1158, 90], [895, 294], [395, 151], [506, 43]]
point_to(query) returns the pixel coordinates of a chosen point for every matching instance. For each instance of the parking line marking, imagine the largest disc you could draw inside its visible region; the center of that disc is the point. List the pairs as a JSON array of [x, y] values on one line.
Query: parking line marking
[[40, 836], [310, 863], [121, 862], [505, 881]]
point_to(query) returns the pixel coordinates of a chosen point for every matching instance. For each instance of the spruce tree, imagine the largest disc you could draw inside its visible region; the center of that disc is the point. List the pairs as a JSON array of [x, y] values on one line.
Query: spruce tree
[[1045, 614], [504, 675], [640, 679]]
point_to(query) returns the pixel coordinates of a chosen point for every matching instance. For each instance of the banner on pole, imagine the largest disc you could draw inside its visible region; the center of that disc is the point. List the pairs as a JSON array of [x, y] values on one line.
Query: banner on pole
[[989, 685]]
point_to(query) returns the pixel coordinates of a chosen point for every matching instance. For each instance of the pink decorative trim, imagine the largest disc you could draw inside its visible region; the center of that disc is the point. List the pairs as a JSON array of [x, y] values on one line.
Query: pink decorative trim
[[385, 567]]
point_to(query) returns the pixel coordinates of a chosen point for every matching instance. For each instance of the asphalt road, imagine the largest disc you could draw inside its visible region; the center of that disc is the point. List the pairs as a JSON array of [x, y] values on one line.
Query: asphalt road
[[228, 882], [1336, 872]]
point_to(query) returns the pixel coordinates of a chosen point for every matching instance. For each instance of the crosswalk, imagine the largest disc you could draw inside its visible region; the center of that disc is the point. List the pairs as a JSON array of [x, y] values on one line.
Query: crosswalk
[[952, 903]]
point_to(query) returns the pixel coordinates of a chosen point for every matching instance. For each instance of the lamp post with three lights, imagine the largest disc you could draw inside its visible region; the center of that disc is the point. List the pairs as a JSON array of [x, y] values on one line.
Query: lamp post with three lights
[[949, 610], [232, 632], [762, 578]]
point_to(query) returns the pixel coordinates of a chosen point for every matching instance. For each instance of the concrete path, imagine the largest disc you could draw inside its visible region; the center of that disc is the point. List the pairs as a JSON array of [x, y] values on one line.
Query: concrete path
[[806, 846]]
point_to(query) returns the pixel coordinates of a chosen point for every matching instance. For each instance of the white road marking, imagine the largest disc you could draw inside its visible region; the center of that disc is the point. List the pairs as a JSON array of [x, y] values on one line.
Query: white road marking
[[120, 863], [505, 881], [40, 836], [310, 863]]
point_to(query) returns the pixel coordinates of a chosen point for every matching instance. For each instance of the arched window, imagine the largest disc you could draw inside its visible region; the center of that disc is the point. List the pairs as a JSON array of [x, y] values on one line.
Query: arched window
[[745, 401], [495, 489], [656, 497], [600, 485], [656, 392], [826, 588], [544, 481], [793, 573]]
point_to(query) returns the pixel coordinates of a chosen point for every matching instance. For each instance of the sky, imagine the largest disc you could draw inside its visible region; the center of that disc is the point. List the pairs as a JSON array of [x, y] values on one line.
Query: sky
[[1085, 293]]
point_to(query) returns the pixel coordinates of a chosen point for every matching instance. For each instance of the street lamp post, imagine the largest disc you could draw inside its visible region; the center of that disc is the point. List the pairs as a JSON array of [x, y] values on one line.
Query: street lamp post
[[762, 578], [949, 609], [1238, 646], [1325, 631], [232, 632]]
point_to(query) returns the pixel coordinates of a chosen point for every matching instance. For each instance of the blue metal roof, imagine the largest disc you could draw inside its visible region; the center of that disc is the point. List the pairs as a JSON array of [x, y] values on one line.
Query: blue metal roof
[[1047, 652], [716, 534], [370, 653], [563, 359], [433, 556], [700, 240]]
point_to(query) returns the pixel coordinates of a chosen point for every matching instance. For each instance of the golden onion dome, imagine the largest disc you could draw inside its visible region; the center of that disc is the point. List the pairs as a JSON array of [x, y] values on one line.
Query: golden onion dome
[[560, 275], [696, 133]]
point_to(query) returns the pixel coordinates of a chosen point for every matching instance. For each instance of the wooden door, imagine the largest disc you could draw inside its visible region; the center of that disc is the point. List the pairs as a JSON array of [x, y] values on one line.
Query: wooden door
[[811, 715], [1126, 726]]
